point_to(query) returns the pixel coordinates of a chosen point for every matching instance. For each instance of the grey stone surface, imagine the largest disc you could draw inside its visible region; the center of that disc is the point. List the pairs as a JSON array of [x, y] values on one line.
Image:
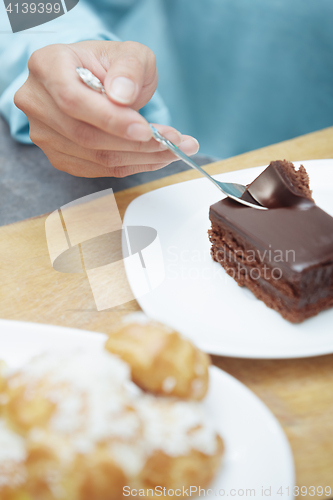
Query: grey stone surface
[[30, 186]]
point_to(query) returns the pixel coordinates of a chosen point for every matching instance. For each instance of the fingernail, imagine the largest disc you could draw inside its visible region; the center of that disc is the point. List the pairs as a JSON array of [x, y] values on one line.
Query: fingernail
[[122, 90], [139, 132], [190, 146], [174, 136]]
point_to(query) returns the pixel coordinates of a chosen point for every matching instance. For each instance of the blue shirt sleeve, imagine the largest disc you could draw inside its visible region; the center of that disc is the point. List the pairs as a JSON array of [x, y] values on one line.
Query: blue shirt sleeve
[[81, 23]]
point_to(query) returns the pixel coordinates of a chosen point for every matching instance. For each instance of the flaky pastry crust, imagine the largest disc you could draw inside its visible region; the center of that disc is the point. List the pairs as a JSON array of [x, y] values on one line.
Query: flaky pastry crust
[[76, 427], [161, 360]]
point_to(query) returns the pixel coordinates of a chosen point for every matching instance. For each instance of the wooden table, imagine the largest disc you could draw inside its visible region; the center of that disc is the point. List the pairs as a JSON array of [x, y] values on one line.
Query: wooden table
[[299, 392]]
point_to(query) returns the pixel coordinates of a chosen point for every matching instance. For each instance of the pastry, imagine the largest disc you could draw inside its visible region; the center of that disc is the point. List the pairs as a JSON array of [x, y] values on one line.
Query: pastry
[[284, 255], [76, 427], [161, 360]]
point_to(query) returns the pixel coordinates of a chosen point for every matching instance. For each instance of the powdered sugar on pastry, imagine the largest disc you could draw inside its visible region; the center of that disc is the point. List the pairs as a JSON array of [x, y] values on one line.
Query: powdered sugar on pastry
[[139, 318], [169, 384], [175, 427], [12, 457], [136, 317], [96, 402]]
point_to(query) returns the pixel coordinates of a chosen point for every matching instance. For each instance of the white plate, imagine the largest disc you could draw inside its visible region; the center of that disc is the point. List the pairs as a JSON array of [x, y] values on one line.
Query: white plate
[[198, 298], [257, 451]]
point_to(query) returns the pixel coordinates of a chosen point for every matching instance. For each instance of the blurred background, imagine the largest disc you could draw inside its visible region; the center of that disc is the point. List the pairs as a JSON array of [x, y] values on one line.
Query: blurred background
[[236, 74]]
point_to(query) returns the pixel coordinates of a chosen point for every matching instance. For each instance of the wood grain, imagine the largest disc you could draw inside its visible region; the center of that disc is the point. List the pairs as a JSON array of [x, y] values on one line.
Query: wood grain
[[298, 392]]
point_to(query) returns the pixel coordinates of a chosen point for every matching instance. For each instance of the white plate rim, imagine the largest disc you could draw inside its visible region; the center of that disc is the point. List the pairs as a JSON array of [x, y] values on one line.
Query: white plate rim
[[212, 348], [22, 329]]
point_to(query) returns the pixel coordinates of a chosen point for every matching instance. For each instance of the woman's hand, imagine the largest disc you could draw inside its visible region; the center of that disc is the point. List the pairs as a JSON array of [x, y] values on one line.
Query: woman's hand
[[86, 133]]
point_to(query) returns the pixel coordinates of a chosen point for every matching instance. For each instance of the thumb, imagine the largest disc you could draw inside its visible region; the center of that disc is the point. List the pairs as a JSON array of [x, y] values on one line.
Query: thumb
[[132, 77]]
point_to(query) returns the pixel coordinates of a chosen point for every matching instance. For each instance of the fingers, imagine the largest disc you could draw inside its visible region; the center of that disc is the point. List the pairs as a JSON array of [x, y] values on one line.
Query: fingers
[[44, 137], [78, 137], [81, 103], [132, 72], [121, 158], [43, 114], [108, 158], [84, 168], [73, 98], [85, 133]]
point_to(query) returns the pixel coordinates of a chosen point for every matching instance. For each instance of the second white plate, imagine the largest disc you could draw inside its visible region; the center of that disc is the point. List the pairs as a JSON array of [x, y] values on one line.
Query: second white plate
[[257, 452], [198, 298]]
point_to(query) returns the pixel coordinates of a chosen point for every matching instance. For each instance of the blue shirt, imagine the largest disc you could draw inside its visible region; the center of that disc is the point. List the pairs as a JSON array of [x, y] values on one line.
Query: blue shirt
[[236, 74]]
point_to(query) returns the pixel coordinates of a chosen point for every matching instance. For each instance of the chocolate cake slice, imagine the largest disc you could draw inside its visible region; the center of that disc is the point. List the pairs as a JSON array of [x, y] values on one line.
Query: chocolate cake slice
[[284, 255]]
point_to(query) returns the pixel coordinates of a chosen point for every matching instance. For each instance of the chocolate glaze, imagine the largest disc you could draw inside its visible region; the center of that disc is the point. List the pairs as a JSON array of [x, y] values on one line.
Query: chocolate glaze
[[294, 224], [274, 189]]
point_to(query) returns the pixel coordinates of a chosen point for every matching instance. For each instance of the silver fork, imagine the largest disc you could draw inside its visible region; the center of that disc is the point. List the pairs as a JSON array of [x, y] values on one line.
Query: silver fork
[[230, 189]]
